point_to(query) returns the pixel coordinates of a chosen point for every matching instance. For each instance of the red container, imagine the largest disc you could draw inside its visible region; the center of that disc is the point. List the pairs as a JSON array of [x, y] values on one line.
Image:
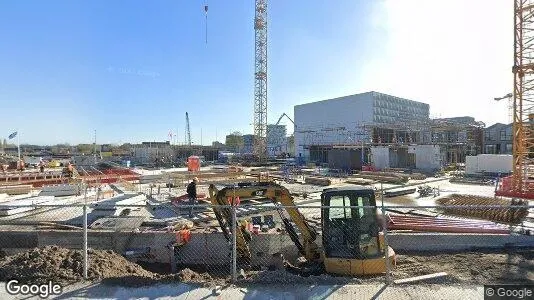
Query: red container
[[193, 163]]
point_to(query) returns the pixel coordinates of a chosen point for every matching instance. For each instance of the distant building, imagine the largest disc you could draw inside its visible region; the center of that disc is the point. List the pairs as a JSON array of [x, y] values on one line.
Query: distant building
[[498, 139], [234, 142], [248, 143], [276, 140], [333, 121], [149, 152], [218, 145], [458, 137]]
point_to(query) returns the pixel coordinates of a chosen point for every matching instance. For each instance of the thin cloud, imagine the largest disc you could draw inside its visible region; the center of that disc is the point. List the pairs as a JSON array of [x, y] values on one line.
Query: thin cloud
[[455, 55]]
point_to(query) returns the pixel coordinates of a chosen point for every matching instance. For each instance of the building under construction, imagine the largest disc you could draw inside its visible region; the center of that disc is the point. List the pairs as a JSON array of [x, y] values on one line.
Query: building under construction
[[162, 153], [382, 130]]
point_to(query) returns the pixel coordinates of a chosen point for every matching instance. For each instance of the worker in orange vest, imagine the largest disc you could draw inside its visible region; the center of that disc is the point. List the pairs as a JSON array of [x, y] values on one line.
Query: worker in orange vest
[[236, 201], [183, 236]]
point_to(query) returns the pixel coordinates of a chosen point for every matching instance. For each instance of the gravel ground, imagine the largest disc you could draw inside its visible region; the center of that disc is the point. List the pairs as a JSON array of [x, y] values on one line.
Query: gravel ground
[[465, 268], [482, 267]]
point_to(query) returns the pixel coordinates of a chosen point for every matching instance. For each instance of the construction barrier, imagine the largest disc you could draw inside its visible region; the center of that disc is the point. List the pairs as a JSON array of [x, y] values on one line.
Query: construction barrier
[[257, 242]]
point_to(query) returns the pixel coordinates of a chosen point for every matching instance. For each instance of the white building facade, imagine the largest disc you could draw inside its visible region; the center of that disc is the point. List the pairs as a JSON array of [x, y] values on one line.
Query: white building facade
[[342, 121]]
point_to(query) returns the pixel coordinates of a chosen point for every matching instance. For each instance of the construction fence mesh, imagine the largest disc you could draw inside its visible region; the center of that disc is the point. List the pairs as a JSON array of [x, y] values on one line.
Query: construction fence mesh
[[455, 242]]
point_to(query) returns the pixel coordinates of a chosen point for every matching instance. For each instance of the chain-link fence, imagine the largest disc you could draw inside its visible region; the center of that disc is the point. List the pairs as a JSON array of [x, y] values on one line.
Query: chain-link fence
[[134, 239]]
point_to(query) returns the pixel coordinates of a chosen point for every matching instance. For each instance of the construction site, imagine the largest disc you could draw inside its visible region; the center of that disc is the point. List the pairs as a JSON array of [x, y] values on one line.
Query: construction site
[[372, 190]]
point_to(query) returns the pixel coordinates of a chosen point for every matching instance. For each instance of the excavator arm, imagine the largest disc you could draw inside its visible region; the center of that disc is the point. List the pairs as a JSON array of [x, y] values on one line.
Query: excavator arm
[[281, 197]]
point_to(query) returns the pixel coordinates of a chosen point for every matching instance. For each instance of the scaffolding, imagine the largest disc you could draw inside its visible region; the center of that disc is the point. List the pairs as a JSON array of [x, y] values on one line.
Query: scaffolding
[[456, 139]]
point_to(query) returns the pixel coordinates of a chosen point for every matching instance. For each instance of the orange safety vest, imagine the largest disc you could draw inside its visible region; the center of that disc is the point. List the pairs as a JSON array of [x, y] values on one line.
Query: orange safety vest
[[183, 236], [236, 202]]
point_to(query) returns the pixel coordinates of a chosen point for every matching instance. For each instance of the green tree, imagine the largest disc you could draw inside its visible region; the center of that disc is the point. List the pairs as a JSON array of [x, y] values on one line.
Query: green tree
[[234, 141], [126, 146], [85, 148]]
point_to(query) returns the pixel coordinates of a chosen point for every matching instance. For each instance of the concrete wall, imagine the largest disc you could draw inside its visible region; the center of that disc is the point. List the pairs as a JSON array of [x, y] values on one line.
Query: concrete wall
[[455, 242], [380, 157], [203, 248], [427, 157], [490, 163], [213, 249]]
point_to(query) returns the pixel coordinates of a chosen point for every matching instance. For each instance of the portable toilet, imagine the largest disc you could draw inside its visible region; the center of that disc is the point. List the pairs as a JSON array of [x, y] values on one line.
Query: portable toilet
[[193, 163]]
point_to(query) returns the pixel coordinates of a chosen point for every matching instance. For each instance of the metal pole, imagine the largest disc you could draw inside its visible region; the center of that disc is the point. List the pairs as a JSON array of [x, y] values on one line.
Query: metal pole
[[18, 146], [95, 148], [234, 242], [85, 258], [386, 245]]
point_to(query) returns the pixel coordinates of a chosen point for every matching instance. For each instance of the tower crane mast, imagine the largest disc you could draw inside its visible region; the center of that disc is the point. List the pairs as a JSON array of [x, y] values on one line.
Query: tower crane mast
[[520, 184], [260, 80]]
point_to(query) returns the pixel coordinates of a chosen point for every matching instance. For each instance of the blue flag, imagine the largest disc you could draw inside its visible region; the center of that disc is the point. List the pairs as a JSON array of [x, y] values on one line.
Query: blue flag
[[14, 134]]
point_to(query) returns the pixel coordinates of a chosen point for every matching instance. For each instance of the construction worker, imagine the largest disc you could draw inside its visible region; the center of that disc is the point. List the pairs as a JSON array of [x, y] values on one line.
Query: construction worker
[[41, 166], [192, 194], [185, 235], [245, 230]]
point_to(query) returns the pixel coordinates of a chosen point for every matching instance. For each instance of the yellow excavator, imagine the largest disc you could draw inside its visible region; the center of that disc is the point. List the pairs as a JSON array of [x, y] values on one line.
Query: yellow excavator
[[352, 243]]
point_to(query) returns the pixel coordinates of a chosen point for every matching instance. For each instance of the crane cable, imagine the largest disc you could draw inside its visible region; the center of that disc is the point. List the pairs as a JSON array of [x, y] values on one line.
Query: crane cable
[[206, 13]]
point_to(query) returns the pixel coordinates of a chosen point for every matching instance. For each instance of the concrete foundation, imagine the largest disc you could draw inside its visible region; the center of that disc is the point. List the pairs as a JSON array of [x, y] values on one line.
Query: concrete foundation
[[455, 242], [213, 249]]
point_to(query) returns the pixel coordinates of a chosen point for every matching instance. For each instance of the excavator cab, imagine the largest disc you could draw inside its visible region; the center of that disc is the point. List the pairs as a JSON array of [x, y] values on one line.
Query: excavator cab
[[352, 242]]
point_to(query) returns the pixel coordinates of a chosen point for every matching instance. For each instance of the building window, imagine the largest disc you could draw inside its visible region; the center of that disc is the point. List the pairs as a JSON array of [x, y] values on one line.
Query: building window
[[509, 134], [503, 135], [487, 135], [489, 149], [508, 148]]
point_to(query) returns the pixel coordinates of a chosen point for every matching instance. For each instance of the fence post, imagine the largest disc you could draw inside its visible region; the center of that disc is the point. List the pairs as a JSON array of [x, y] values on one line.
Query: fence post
[[234, 244], [85, 258], [386, 245]]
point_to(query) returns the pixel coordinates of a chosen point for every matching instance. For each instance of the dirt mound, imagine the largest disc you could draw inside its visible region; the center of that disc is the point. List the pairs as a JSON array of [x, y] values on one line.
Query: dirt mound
[[64, 265], [187, 275]]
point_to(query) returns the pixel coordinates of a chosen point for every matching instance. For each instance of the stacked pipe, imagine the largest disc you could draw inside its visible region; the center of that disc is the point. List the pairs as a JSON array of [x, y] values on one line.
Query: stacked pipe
[[318, 181], [504, 214], [389, 177]]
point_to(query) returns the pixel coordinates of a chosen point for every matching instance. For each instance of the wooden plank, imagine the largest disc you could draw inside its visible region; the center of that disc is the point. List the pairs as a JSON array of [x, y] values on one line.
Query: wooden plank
[[419, 278]]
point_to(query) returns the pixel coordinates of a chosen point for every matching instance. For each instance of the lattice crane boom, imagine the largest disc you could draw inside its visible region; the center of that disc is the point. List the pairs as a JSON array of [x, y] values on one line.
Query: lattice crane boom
[[260, 80]]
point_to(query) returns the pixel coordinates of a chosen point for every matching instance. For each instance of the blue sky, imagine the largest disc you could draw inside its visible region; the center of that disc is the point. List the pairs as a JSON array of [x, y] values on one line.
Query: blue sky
[[131, 69]]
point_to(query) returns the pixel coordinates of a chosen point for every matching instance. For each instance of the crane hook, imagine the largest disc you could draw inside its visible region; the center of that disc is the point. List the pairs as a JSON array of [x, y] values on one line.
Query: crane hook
[[206, 13]]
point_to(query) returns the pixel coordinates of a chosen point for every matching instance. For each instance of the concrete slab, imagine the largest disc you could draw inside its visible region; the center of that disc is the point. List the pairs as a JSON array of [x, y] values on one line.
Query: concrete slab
[[60, 190], [14, 207], [118, 224]]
